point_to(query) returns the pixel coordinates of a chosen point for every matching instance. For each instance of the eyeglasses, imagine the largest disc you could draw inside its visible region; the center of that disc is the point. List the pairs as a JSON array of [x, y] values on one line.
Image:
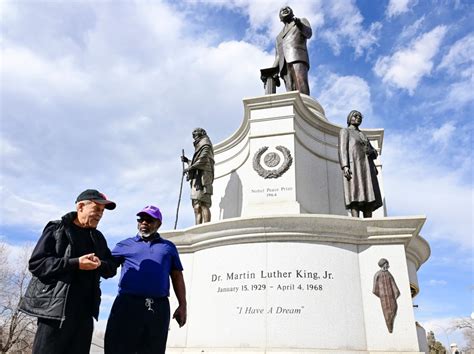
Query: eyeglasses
[[147, 220]]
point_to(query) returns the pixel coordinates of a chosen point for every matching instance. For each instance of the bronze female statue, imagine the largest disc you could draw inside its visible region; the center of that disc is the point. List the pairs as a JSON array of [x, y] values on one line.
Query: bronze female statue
[[356, 156]]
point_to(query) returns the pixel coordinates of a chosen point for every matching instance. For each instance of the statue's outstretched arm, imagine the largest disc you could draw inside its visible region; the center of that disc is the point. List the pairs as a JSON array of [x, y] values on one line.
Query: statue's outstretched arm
[[304, 27]]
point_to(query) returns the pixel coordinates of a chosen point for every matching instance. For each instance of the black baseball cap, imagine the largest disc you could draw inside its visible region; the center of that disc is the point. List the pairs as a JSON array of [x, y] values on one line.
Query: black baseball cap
[[97, 197]]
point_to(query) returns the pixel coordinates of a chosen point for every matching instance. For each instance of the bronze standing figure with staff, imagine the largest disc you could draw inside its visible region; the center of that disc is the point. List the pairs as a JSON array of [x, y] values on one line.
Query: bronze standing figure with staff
[[200, 174]]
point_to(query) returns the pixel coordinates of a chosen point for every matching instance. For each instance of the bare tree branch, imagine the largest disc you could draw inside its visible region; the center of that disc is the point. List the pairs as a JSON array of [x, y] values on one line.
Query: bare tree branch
[[16, 329], [465, 325]]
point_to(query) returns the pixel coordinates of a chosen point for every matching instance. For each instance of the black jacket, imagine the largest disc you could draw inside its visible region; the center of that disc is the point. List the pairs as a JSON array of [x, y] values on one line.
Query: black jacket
[[53, 264]]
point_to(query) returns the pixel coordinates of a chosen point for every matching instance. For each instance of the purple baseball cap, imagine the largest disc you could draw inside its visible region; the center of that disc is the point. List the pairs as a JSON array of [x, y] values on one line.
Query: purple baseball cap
[[151, 210]]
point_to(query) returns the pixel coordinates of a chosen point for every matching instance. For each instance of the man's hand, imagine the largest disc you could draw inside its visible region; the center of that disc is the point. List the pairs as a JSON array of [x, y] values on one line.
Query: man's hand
[[96, 260], [184, 159], [89, 262], [347, 173], [180, 315]]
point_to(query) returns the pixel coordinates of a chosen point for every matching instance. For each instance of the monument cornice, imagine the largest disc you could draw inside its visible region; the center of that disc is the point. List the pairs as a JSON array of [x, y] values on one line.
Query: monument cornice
[[418, 251], [306, 228], [305, 107]]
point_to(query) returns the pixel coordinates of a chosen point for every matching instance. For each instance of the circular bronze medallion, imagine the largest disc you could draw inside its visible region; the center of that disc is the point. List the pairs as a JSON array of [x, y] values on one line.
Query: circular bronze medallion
[[271, 159]]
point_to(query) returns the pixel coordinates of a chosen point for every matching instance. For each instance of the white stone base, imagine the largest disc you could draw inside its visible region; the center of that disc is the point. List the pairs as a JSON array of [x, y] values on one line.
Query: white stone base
[[296, 284]]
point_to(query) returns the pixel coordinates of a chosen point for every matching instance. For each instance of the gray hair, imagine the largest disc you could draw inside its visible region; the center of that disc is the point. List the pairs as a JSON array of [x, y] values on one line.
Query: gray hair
[[85, 202]]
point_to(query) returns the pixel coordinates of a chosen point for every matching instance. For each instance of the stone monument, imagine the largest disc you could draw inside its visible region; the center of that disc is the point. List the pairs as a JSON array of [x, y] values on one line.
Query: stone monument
[[284, 267]]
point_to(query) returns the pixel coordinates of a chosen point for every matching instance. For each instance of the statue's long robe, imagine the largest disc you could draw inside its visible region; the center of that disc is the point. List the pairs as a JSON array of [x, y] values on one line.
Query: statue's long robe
[[202, 175], [355, 151], [386, 289]]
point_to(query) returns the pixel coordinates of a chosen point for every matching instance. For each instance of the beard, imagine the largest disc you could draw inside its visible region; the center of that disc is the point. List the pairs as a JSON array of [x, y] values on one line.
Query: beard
[[147, 231], [145, 234]]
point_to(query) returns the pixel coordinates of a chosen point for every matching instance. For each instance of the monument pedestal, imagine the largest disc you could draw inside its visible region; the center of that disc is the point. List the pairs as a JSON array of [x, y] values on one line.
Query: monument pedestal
[[282, 268], [296, 284], [283, 159]]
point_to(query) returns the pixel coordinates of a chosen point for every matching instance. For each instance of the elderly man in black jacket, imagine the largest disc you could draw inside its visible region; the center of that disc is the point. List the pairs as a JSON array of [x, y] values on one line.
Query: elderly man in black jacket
[[67, 263]]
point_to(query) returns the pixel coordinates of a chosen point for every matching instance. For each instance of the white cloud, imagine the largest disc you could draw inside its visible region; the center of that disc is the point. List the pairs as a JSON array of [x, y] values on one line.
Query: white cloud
[[398, 7], [436, 282], [347, 27], [408, 32], [342, 94], [418, 181], [460, 94], [105, 115], [443, 134], [25, 72], [8, 12], [150, 12], [7, 148], [458, 61], [18, 210], [263, 16], [338, 22], [424, 189], [463, 257], [406, 67]]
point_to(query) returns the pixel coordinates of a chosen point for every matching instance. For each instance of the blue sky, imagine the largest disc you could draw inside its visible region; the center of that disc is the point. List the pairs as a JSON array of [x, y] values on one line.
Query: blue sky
[[105, 94]]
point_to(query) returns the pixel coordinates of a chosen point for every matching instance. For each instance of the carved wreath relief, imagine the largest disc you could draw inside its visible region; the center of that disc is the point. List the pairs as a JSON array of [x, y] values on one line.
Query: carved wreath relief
[[272, 159]]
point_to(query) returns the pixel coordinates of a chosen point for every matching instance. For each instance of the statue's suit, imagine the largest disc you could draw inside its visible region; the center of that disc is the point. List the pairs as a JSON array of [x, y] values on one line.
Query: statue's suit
[[290, 50]]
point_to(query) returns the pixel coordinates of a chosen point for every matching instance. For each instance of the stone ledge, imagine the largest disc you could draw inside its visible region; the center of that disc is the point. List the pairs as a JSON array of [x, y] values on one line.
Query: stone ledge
[[306, 228]]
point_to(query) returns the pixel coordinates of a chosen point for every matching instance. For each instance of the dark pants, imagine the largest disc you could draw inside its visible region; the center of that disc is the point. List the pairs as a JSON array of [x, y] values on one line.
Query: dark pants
[[137, 325], [74, 336], [296, 77]]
